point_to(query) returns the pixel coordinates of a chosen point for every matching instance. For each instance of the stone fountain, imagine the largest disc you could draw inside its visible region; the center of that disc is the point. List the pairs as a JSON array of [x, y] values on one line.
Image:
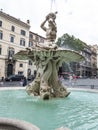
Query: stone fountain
[[48, 57]]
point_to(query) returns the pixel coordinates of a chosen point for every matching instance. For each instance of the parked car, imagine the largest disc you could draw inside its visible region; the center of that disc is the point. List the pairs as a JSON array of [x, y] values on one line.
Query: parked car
[[14, 78], [31, 77], [66, 75]]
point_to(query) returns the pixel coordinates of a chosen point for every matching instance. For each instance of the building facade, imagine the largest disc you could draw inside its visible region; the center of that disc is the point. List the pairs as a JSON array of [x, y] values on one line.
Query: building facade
[[88, 67], [85, 66], [14, 36], [33, 40], [94, 60]]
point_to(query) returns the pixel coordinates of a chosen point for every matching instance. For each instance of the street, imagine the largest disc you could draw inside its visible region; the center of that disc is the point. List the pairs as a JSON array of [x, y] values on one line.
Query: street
[[11, 84], [80, 83]]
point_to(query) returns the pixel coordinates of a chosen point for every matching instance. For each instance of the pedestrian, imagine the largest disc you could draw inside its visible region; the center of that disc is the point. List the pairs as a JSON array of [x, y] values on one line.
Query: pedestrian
[[70, 78], [61, 78], [21, 82], [74, 77], [2, 81], [24, 81]]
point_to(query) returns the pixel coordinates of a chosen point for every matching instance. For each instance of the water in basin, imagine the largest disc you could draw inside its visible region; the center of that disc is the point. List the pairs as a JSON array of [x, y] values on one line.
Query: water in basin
[[79, 111]]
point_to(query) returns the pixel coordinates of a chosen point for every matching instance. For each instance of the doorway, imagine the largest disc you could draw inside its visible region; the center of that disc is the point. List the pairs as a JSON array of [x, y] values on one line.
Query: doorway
[[9, 69]]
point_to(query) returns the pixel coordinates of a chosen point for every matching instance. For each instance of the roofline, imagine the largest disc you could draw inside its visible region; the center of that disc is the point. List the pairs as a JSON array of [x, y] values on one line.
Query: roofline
[[11, 18], [37, 34]]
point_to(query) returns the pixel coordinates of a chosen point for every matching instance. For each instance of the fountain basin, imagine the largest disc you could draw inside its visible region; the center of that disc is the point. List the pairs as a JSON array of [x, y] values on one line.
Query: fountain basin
[[78, 111]]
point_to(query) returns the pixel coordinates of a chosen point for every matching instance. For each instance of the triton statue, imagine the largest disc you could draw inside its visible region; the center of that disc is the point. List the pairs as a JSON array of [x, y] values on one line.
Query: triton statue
[[52, 28], [48, 57]]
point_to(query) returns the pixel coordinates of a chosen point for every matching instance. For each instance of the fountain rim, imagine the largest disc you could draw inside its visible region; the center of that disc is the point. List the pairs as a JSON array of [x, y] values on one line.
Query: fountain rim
[[83, 89], [12, 88], [16, 124], [70, 89]]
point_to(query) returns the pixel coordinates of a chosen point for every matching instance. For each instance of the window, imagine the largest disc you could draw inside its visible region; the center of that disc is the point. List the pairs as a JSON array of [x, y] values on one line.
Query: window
[[0, 49], [31, 36], [42, 40], [30, 44], [22, 42], [30, 62], [20, 72], [13, 28], [1, 35], [0, 23], [21, 65], [37, 38], [23, 32], [29, 72], [12, 38]]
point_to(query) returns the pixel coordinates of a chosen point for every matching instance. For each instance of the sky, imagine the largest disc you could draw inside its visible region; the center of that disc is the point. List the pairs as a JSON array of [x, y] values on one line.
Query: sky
[[75, 17]]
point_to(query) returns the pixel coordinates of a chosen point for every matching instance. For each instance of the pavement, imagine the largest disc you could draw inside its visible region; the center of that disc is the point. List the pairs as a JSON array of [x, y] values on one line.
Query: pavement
[[78, 83], [81, 83], [12, 84]]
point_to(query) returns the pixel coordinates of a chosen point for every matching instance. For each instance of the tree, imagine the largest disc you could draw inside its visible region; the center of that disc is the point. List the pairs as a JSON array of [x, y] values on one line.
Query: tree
[[70, 42]]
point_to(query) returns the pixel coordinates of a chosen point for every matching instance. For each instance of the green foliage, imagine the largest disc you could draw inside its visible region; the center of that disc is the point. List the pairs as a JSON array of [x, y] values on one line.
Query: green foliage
[[70, 42]]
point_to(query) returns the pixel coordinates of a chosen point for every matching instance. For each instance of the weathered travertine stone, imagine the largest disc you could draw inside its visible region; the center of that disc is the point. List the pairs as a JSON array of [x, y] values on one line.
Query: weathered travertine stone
[[48, 57], [51, 30]]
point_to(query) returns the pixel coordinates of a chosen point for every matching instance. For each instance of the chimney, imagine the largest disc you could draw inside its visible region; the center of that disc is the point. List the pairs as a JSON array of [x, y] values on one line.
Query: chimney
[[1, 10], [28, 21]]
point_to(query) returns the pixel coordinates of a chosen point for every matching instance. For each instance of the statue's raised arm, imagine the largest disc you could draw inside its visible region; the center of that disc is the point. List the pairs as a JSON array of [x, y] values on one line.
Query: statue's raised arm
[[51, 30]]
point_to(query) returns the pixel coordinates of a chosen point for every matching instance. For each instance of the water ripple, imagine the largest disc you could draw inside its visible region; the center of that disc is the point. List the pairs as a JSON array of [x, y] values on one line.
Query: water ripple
[[78, 112]]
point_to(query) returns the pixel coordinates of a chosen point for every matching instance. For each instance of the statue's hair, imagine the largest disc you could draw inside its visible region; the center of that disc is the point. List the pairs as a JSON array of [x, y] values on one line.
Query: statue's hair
[[52, 15]]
